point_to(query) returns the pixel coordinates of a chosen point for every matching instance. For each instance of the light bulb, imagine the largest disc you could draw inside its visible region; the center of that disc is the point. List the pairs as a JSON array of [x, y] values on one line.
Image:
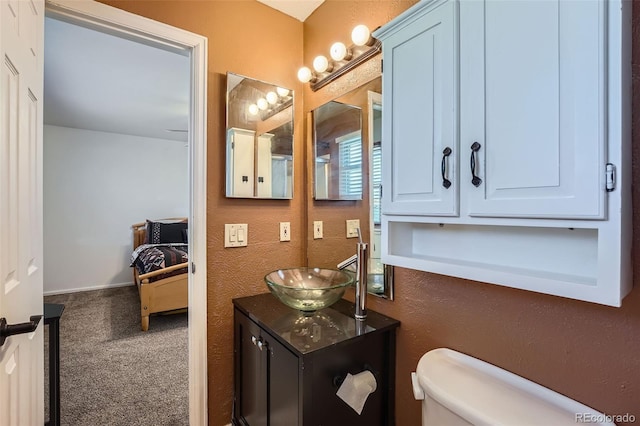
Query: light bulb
[[282, 92], [360, 35], [339, 52], [253, 109], [263, 104], [305, 75], [272, 98], [321, 64]]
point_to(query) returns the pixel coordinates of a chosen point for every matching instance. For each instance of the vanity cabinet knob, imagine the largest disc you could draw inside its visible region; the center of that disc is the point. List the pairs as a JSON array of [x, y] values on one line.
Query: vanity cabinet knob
[[261, 344], [254, 340]]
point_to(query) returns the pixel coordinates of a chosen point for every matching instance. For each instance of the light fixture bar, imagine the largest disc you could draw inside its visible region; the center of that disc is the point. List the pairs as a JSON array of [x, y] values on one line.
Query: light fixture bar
[[276, 109], [353, 63]]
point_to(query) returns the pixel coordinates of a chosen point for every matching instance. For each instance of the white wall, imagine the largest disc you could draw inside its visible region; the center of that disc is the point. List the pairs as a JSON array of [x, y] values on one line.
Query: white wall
[[96, 185]]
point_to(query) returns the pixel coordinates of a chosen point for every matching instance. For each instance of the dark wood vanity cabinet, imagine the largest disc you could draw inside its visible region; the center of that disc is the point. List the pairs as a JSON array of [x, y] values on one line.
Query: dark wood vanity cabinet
[[288, 366]]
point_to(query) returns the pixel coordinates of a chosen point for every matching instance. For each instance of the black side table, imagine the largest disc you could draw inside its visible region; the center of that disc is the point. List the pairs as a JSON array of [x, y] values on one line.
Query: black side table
[[52, 314]]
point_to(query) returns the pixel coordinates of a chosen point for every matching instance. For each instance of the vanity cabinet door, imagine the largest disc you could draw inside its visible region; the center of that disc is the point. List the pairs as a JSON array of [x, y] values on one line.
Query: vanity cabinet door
[[420, 116], [284, 392], [533, 100], [250, 374], [265, 378]]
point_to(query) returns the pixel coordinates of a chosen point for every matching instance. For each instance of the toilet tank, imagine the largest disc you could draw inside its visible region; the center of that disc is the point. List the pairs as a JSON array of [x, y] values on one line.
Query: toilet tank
[[457, 389]]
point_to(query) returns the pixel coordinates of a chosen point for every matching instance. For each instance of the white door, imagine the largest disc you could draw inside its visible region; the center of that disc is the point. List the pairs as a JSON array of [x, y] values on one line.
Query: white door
[[420, 116], [533, 97], [21, 356]]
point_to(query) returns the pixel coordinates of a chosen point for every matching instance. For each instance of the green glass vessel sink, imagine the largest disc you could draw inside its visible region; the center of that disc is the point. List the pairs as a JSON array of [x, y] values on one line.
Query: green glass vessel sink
[[308, 289]]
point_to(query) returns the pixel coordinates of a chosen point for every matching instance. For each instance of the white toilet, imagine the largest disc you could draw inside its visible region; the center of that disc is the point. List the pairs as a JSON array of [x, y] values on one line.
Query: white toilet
[[457, 389]]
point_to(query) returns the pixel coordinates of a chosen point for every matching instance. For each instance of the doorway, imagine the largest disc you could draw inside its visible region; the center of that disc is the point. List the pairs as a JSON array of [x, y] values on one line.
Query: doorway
[[122, 24]]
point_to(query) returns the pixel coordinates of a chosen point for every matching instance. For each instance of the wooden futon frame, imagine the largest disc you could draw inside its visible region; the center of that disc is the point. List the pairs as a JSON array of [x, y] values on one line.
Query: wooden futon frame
[[163, 295]]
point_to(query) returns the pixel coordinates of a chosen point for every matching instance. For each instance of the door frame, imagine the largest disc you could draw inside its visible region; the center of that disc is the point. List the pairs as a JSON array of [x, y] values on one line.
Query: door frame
[[124, 24]]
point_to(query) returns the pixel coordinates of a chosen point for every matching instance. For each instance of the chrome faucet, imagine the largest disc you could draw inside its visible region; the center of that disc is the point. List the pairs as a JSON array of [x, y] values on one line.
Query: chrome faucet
[[360, 261]]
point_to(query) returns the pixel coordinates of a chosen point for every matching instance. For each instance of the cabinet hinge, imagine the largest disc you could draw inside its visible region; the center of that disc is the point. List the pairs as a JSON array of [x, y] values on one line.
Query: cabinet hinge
[[381, 66], [610, 177], [193, 268]]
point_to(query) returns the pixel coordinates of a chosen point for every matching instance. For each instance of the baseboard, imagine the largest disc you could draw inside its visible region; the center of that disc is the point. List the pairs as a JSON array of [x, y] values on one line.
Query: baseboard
[[81, 289]]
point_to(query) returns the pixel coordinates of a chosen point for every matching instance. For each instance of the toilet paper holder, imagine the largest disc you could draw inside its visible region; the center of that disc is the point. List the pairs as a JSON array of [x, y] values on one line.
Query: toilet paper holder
[[338, 379]]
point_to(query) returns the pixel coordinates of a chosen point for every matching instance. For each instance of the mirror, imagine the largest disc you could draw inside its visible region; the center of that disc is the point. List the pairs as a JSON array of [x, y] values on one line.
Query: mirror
[[380, 275], [337, 142], [364, 103], [259, 139]]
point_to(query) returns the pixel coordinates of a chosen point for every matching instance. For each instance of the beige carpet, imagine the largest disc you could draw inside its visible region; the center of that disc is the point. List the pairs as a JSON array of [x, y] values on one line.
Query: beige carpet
[[111, 372]]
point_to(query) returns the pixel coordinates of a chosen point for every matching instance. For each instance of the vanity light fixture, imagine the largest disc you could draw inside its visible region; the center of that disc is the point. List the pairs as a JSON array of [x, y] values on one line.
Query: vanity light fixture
[[272, 98], [305, 75], [361, 36], [344, 59], [282, 92], [263, 104], [321, 64], [271, 104], [339, 52]]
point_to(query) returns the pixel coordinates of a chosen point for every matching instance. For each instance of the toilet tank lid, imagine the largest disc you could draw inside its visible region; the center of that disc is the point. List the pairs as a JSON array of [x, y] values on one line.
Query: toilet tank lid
[[484, 394]]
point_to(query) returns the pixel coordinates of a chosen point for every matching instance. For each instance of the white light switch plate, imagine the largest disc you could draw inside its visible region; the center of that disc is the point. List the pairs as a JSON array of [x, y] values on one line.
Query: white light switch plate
[[236, 234], [352, 228], [285, 231], [317, 229]]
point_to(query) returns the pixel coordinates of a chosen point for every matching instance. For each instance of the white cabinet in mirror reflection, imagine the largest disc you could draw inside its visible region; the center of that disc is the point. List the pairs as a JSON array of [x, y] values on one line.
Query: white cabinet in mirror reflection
[[240, 162]]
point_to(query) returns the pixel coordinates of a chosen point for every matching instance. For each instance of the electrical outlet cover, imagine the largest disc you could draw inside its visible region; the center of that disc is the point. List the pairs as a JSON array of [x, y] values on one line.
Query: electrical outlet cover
[[317, 229], [352, 228], [285, 231]]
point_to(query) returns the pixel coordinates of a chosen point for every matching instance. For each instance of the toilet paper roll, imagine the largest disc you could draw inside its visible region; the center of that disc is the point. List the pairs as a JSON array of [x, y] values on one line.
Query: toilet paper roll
[[356, 389]]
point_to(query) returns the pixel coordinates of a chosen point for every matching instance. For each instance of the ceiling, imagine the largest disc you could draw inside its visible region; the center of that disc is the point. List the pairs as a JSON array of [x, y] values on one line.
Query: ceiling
[[299, 9], [146, 94]]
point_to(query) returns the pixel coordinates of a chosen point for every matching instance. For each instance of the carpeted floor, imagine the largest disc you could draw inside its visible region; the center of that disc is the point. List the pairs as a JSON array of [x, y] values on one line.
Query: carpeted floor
[[111, 372]]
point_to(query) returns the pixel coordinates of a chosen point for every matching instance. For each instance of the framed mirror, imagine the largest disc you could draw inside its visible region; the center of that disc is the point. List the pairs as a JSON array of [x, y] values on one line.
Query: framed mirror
[[380, 277], [337, 147], [259, 139], [333, 248]]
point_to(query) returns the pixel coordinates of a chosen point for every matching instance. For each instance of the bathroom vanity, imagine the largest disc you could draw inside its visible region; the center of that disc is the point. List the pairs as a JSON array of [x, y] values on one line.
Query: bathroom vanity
[[288, 365]]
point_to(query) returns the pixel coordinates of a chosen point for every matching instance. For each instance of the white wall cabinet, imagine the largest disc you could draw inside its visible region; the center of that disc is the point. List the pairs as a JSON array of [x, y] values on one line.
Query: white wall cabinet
[[508, 154], [420, 113]]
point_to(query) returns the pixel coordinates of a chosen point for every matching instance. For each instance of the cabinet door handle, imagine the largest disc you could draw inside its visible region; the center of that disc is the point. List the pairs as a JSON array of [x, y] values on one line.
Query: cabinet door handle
[[254, 340], [475, 180], [443, 167]]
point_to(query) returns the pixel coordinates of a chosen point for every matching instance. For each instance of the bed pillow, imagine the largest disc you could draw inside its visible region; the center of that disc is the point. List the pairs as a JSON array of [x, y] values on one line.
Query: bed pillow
[[164, 233]]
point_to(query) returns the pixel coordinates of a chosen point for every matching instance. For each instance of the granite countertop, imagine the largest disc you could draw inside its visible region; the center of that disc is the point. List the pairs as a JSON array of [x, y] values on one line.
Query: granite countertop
[[304, 333]]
